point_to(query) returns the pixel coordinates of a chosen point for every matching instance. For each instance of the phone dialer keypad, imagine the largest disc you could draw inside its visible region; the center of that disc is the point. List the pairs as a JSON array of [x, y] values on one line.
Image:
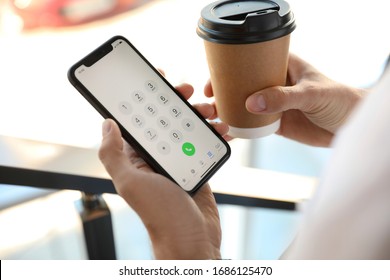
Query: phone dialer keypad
[[151, 86], [138, 96], [125, 107], [188, 124], [176, 136], [170, 122], [175, 111], [151, 109], [163, 99], [138, 120], [163, 122], [163, 147], [151, 134]]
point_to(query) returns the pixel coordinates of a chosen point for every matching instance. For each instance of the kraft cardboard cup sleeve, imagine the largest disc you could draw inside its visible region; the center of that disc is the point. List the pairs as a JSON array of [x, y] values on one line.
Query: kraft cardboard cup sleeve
[[247, 45]]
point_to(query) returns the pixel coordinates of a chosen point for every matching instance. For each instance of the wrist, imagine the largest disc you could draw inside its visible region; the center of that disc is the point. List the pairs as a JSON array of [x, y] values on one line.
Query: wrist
[[183, 251]]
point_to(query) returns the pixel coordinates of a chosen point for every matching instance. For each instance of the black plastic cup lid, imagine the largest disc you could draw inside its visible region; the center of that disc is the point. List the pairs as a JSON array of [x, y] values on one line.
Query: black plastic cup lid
[[245, 21]]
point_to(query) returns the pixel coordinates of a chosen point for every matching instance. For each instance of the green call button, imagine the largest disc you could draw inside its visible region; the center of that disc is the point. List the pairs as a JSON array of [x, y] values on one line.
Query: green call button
[[188, 148]]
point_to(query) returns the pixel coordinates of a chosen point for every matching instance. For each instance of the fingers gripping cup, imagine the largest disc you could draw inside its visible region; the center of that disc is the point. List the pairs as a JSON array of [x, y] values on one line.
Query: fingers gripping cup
[[246, 44]]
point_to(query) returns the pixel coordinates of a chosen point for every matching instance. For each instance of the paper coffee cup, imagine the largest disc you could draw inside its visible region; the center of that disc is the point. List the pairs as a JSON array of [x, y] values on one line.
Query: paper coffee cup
[[247, 44]]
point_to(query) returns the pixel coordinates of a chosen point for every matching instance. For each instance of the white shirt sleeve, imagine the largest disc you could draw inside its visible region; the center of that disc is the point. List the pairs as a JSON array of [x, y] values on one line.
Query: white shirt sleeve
[[349, 216]]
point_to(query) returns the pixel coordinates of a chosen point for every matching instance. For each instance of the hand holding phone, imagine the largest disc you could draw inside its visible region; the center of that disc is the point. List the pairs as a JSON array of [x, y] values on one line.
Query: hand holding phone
[[180, 226], [154, 119]]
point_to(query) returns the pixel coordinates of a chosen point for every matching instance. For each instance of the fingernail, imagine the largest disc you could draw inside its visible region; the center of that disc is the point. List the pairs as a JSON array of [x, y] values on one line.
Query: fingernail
[[106, 127], [256, 103]]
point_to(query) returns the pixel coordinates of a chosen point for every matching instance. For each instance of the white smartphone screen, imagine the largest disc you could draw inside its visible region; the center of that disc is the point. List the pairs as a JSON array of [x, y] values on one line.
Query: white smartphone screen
[[148, 108]]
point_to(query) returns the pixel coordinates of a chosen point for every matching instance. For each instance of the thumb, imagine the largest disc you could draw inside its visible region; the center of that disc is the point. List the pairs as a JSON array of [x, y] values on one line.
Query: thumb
[[272, 100], [111, 152]]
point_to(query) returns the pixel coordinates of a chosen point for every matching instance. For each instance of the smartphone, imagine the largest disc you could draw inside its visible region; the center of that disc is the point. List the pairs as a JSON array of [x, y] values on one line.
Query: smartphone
[[166, 131]]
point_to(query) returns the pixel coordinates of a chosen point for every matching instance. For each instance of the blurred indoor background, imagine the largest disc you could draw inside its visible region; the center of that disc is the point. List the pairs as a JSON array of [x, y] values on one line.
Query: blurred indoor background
[[40, 39]]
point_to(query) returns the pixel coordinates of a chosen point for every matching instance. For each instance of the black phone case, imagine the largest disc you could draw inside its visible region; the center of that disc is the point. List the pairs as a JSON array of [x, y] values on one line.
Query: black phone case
[[95, 56]]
